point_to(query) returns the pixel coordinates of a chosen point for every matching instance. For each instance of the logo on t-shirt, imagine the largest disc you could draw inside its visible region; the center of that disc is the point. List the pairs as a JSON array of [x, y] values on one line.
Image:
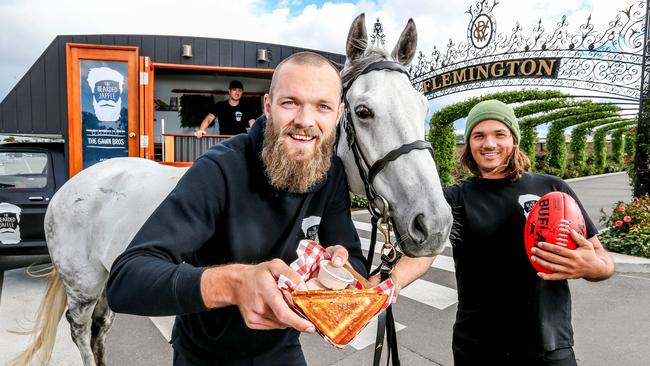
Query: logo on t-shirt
[[310, 227], [238, 115], [527, 201]]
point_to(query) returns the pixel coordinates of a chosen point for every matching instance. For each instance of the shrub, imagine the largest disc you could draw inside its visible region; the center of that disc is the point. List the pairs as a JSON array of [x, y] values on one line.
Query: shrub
[[358, 201], [628, 228], [194, 108]]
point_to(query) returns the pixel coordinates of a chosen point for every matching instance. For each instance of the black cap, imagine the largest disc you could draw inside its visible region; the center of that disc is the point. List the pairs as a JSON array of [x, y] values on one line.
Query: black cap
[[236, 84]]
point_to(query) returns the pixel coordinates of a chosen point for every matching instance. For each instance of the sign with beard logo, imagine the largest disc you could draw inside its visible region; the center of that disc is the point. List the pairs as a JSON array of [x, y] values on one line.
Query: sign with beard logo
[[9, 223], [104, 110]]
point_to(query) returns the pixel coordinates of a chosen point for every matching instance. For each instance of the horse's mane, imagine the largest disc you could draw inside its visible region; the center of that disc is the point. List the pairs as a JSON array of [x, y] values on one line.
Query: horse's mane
[[354, 68]]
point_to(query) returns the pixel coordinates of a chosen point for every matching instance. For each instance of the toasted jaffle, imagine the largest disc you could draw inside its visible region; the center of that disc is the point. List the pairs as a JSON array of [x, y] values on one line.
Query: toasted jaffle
[[339, 314]]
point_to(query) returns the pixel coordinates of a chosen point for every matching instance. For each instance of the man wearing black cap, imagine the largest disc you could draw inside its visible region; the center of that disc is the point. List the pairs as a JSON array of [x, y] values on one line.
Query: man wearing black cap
[[234, 117]]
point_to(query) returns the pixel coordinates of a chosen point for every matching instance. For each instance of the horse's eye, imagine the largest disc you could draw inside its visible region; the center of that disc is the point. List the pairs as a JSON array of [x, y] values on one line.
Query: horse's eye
[[363, 112]]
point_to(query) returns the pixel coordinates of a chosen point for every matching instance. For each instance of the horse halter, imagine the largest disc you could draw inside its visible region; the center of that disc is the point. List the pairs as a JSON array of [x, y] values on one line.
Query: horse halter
[[367, 171], [381, 218]]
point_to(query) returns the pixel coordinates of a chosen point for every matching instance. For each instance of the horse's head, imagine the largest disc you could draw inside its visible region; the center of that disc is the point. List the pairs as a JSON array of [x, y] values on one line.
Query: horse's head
[[385, 116]]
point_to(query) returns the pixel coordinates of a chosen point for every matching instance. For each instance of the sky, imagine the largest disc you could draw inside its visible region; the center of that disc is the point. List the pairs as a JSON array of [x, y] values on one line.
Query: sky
[[27, 27]]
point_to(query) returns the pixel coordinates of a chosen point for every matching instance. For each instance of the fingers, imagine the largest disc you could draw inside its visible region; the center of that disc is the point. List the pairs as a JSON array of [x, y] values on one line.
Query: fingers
[[547, 264], [339, 255], [551, 253], [277, 267], [581, 240], [374, 280], [286, 316], [262, 304], [553, 276], [275, 301]]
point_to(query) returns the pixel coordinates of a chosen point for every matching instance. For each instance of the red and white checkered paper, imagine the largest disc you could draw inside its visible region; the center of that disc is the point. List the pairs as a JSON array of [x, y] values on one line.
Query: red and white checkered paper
[[310, 254]]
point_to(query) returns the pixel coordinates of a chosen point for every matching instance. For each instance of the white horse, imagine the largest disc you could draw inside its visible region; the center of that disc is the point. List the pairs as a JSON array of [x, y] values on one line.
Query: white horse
[[96, 214]]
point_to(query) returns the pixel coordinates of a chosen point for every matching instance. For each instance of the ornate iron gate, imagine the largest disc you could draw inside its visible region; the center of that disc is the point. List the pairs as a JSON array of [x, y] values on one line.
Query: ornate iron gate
[[611, 64]]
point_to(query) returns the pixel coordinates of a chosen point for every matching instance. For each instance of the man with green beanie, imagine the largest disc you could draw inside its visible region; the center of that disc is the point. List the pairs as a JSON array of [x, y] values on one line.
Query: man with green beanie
[[508, 313]]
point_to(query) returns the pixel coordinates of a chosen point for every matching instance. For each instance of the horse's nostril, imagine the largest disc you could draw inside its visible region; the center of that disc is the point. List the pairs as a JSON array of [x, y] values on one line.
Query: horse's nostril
[[419, 231]]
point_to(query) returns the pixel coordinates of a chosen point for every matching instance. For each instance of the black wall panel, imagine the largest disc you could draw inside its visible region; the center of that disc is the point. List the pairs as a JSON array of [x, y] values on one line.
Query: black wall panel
[[200, 51], [161, 50], [9, 112], [225, 52], [39, 102], [146, 43], [24, 107], [37, 87], [174, 50], [238, 51], [213, 52]]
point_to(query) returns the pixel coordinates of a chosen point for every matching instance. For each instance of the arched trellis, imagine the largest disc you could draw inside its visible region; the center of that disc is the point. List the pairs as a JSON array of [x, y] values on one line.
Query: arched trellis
[[600, 144], [578, 145], [556, 140], [618, 142], [614, 61], [441, 129], [559, 120], [534, 107], [528, 123], [629, 147], [617, 146]]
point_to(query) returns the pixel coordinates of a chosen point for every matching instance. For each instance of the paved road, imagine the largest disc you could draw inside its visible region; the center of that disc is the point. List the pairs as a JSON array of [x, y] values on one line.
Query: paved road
[[602, 193], [611, 319]]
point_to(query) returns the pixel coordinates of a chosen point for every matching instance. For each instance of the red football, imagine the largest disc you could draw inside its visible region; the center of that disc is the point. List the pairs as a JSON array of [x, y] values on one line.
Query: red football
[[550, 221]]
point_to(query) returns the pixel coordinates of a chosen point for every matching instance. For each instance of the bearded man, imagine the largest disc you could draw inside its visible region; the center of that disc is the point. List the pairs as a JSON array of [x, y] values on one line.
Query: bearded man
[[212, 251]]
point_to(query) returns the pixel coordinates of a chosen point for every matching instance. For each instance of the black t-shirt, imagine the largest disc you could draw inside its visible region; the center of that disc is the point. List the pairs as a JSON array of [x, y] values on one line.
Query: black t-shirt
[[232, 120], [503, 305]]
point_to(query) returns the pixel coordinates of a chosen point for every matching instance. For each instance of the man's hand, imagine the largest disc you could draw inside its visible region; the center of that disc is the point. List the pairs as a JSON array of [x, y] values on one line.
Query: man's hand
[[589, 260], [199, 133], [406, 271], [253, 288]]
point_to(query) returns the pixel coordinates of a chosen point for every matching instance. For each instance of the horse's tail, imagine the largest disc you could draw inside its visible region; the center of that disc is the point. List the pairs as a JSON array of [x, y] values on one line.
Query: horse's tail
[[47, 320]]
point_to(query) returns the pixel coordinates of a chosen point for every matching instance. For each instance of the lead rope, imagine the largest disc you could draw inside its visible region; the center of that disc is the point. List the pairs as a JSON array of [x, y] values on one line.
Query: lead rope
[[386, 320]]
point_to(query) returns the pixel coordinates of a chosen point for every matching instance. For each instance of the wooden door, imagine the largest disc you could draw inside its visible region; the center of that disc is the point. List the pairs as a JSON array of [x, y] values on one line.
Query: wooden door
[[103, 104]]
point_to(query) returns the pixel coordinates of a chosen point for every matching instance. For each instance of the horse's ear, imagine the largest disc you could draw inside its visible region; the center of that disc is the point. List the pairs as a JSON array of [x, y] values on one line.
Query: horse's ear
[[357, 38], [404, 50]]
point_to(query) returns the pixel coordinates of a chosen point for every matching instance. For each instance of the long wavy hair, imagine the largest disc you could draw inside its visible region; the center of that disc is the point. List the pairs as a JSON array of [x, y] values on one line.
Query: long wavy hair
[[516, 164]]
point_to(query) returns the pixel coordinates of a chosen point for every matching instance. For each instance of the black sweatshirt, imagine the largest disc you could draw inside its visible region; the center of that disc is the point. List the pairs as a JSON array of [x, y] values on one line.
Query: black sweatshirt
[[223, 210]]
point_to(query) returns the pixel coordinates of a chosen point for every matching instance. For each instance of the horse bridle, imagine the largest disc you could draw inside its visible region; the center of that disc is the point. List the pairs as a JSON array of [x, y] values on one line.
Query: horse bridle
[[381, 217], [367, 171]]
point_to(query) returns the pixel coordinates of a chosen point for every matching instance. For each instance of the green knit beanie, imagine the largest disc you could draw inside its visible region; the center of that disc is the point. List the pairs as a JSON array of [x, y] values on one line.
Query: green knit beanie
[[496, 110]]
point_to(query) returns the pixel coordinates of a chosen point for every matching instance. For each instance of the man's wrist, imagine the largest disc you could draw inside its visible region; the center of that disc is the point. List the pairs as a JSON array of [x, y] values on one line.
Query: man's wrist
[[219, 284]]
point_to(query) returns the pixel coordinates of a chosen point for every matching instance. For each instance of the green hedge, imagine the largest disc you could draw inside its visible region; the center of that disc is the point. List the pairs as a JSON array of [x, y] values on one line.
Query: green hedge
[[556, 140], [578, 143], [194, 108], [441, 131], [617, 147], [600, 145]]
